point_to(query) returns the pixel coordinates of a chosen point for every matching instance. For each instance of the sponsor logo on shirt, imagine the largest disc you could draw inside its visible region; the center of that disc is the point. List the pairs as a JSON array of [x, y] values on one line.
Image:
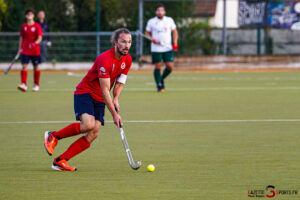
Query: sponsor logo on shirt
[[123, 65], [25, 28]]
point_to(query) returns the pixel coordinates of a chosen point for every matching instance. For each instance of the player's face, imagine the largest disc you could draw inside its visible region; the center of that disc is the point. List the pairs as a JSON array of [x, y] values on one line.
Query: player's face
[[29, 16], [123, 44], [160, 12], [41, 15]]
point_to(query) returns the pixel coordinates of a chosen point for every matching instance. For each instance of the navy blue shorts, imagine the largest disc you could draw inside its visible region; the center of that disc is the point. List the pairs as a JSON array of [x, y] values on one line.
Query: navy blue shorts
[[84, 103], [34, 59]]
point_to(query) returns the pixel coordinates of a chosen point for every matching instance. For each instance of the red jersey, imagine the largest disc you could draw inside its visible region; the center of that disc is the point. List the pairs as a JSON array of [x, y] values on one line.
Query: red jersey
[[105, 66], [30, 34]]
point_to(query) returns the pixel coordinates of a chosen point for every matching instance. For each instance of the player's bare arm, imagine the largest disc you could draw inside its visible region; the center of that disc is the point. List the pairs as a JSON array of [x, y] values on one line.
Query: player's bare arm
[[20, 44], [175, 40], [116, 93], [175, 36], [38, 41], [105, 87], [148, 34]]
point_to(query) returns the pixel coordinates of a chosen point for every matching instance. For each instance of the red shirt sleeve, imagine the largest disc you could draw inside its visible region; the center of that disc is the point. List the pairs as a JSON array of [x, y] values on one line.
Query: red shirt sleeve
[[128, 65], [102, 68]]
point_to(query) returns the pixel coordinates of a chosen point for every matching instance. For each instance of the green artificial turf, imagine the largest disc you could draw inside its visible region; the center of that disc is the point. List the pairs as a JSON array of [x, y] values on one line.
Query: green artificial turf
[[194, 158]]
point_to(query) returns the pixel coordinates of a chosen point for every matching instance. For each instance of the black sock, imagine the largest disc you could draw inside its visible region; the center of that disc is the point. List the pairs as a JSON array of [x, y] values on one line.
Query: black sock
[[157, 76], [166, 72]]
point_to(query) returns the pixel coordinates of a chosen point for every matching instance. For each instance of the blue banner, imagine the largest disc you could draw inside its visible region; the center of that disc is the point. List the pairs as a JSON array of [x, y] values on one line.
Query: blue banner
[[283, 15], [252, 13]]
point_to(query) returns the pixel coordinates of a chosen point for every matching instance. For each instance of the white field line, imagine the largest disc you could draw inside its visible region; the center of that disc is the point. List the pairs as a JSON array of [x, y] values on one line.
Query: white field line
[[176, 89], [220, 78], [164, 121], [213, 78], [236, 79], [214, 89]]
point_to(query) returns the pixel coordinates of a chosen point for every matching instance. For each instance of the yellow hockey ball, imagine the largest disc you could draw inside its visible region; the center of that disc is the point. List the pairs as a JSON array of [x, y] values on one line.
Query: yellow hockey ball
[[150, 168]]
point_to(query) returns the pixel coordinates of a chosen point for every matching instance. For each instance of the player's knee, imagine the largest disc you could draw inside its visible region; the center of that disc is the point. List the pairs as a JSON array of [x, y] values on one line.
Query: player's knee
[[170, 66], [91, 136], [95, 135], [96, 128], [158, 65], [89, 126]]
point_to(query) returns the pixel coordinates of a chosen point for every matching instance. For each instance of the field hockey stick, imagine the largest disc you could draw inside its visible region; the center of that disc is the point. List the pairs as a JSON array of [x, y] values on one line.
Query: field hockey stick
[[12, 62], [160, 42], [133, 165]]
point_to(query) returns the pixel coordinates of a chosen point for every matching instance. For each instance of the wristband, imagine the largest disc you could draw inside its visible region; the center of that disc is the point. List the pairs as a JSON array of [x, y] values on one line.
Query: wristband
[[155, 41], [175, 47]]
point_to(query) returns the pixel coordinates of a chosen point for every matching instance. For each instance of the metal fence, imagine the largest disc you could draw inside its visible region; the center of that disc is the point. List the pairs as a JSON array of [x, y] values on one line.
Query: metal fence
[[66, 47], [196, 37], [83, 46]]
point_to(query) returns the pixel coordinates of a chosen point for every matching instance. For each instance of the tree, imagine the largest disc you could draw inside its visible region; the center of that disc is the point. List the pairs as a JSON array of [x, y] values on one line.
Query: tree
[[58, 13], [3, 8], [80, 15], [11, 18]]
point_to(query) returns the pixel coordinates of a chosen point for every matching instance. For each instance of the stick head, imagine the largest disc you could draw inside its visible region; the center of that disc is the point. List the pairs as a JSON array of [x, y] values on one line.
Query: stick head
[[137, 165]]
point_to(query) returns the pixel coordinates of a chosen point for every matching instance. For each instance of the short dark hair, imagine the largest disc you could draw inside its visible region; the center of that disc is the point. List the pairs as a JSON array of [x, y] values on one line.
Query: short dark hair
[[159, 6], [28, 10], [117, 33]]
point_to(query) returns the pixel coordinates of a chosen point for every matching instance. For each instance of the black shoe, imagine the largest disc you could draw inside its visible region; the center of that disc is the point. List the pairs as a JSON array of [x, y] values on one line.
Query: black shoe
[[162, 84], [160, 88]]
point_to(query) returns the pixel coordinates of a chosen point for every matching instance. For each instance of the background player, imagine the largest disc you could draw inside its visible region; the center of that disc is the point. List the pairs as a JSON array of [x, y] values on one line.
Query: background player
[[161, 28], [91, 95], [46, 39], [29, 46]]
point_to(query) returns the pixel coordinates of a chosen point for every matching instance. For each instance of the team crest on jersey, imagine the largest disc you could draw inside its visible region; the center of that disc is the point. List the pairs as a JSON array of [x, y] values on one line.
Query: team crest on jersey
[[102, 69], [25, 28], [123, 65], [32, 29]]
